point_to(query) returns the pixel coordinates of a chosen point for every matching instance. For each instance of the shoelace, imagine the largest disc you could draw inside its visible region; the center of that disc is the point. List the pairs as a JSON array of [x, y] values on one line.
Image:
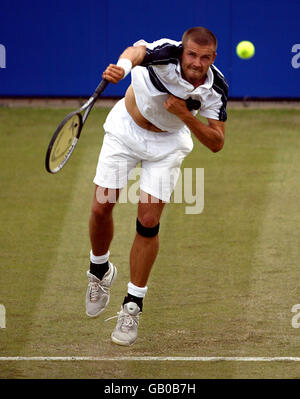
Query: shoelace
[[127, 319], [95, 288]]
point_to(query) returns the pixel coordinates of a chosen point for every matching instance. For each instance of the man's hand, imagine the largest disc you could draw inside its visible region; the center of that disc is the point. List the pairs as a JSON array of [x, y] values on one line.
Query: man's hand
[[113, 73], [212, 136], [176, 106]]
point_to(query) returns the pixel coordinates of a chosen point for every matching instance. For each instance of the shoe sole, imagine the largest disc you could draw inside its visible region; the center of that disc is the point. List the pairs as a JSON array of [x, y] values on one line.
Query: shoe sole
[[122, 343], [93, 316]]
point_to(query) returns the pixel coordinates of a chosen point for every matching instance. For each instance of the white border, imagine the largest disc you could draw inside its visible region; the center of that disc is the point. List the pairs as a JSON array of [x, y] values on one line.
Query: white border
[[151, 358]]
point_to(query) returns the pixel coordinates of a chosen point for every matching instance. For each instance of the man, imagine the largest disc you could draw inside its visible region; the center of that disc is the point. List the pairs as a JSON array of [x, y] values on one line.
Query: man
[[171, 82]]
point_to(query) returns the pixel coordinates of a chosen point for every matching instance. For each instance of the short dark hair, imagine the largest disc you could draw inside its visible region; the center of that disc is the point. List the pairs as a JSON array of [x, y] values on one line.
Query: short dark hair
[[199, 35]]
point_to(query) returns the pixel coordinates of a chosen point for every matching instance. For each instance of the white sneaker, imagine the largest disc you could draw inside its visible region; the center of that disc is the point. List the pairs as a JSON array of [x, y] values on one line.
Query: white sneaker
[[126, 329], [98, 291]]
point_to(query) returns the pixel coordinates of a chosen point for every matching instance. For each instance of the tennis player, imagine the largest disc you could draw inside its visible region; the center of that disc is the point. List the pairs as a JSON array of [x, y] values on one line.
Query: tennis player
[[171, 81]]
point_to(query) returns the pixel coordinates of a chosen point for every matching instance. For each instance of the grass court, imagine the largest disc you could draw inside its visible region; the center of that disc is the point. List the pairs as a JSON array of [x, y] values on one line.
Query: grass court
[[224, 282]]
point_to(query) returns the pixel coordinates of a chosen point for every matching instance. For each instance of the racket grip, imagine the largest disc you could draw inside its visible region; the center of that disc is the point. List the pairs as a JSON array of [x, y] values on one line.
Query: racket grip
[[102, 85]]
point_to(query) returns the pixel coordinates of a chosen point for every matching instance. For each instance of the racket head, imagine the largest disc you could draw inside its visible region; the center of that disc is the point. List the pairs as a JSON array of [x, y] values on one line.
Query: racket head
[[63, 142]]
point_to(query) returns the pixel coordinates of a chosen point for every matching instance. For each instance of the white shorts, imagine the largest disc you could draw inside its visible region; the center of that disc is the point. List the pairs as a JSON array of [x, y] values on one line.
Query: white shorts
[[126, 144]]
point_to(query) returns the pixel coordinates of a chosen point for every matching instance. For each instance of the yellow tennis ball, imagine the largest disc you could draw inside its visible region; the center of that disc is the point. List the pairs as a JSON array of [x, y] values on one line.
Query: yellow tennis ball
[[245, 49]]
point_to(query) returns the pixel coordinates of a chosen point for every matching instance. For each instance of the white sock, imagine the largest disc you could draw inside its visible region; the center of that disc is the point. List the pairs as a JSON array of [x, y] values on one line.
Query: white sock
[[99, 259], [139, 292]]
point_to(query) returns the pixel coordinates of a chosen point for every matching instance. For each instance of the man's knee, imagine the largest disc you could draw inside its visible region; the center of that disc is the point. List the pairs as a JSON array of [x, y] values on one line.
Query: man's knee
[[101, 211], [147, 226], [103, 203]]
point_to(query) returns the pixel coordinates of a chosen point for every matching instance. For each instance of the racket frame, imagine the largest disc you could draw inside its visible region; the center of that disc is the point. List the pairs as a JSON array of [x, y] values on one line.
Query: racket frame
[[87, 107]]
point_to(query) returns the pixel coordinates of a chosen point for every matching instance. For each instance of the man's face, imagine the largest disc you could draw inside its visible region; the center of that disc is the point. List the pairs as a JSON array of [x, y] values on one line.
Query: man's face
[[195, 61]]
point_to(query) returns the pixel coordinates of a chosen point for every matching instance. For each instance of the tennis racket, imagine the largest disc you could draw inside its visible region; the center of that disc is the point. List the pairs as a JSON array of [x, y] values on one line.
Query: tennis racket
[[66, 136]]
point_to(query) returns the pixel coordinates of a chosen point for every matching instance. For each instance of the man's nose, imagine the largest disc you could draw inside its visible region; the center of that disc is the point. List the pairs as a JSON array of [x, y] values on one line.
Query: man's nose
[[198, 63]]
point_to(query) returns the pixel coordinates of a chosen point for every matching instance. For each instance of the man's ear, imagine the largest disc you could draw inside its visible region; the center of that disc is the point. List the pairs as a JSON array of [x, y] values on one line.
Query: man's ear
[[214, 57]]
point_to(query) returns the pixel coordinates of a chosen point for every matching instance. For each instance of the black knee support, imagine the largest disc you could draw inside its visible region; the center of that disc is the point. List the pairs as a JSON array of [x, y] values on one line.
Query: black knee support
[[146, 231]]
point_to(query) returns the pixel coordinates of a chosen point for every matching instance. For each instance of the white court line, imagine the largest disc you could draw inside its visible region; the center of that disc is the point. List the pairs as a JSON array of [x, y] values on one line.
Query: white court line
[[152, 358]]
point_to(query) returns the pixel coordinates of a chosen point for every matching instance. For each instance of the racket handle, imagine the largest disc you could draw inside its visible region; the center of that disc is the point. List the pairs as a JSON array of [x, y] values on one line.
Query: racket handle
[[89, 104], [102, 85]]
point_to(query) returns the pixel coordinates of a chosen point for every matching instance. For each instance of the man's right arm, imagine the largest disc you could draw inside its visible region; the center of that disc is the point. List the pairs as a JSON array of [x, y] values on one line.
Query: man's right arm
[[114, 73]]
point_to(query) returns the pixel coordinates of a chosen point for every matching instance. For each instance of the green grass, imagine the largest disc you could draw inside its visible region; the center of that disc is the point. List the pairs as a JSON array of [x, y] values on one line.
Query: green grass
[[224, 281]]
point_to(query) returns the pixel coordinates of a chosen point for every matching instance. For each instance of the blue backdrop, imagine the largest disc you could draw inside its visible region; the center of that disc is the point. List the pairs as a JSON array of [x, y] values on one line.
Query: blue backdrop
[[60, 47]]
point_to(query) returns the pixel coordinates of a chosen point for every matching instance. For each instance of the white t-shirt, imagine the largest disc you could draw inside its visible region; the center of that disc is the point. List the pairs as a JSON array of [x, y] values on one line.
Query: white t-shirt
[[160, 74]]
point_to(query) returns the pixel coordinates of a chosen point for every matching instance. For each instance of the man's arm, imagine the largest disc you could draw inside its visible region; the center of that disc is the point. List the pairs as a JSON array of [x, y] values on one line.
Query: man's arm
[[114, 73], [211, 135]]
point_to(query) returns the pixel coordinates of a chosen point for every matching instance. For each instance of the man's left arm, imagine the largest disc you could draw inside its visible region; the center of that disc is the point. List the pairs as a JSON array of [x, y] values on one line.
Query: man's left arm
[[211, 135]]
